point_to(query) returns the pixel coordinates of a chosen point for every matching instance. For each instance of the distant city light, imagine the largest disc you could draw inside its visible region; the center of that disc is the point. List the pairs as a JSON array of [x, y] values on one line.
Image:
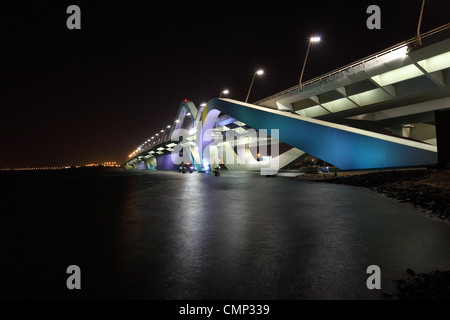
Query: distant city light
[[110, 164]]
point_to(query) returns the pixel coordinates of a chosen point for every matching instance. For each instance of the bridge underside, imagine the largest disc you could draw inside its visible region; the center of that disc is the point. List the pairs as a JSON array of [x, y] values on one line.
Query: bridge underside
[[345, 147], [388, 110]]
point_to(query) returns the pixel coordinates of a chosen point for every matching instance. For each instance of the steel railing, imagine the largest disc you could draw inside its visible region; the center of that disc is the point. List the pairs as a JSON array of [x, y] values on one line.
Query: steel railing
[[413, 41]]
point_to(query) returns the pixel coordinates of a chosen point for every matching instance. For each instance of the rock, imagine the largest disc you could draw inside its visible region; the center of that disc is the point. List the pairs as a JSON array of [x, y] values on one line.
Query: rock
[[387, 293], [410, 272]]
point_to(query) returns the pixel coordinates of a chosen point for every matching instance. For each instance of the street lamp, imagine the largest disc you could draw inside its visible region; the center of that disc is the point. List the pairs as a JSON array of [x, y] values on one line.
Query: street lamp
[[164, 131], [260, 72], [311, 40], [420, 22], [224, 92]]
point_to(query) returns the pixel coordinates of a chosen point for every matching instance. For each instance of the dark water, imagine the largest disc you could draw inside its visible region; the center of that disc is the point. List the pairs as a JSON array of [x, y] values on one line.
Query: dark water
[[166, 235]]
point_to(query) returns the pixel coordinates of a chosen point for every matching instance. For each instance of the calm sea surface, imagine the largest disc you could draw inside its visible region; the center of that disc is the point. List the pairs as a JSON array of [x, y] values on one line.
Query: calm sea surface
[[167, 235]]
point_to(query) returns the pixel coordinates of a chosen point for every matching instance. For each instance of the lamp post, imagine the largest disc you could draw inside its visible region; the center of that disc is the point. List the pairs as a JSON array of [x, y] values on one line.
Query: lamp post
[[311, 40], [420, 22], [224, 92], [164, 134], [259, 73]]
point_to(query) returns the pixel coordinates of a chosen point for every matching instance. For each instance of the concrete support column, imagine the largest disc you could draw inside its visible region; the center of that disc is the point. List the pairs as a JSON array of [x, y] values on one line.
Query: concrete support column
[[442, 119]]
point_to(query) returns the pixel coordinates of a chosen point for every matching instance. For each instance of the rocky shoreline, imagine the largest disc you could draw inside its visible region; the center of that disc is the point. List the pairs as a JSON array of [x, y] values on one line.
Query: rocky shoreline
[[427, 189], [424, 286]]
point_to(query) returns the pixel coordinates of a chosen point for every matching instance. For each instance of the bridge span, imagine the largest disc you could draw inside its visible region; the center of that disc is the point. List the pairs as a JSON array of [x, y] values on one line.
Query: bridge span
[[388, 110]]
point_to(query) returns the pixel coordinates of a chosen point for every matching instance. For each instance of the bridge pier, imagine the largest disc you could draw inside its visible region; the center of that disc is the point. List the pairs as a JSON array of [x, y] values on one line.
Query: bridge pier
[[442, 119], [142, 166]]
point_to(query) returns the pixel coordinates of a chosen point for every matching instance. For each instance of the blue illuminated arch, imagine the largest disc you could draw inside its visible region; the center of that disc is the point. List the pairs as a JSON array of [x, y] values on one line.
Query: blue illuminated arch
[[345, 147]]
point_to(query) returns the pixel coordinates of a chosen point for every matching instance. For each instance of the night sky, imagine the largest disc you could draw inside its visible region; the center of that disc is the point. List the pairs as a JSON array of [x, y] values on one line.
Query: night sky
[[71, 97]]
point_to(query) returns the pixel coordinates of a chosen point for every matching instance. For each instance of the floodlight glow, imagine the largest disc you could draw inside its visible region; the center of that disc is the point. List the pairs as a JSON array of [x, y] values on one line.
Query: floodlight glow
[[260, 72], [436, 63], [315, 39], [402, 52], [225, 92], [397, 75]]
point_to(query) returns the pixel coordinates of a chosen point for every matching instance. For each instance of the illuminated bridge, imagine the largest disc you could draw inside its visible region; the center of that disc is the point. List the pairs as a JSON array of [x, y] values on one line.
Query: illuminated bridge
[[389, 110]]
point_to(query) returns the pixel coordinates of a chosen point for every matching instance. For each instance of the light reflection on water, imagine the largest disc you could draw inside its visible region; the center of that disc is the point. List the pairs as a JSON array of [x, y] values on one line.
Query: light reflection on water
[[245, 236], [166, 235]]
